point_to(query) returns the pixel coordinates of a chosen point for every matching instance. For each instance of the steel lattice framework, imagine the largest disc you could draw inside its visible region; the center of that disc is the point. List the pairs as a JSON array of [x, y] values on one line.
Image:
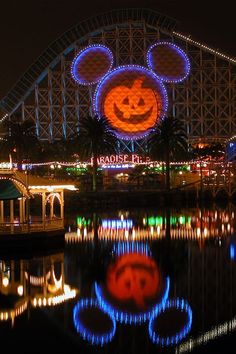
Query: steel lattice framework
[[205, 102]]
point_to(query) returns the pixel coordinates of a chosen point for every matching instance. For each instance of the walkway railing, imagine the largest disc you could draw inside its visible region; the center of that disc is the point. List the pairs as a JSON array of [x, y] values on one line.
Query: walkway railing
[[33, 226]]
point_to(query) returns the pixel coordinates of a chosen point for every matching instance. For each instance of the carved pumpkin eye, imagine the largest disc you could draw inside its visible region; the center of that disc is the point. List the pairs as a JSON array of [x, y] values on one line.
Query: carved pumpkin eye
[[126, 101], [141, 102]]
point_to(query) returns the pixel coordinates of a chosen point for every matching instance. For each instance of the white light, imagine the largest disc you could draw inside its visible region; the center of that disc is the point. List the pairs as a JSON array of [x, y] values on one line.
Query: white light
[[20, 290], [5, 282]]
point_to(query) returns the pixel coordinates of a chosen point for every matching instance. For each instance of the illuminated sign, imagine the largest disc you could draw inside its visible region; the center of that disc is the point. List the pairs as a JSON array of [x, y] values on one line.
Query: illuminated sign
[[133, 99], [121, 159]]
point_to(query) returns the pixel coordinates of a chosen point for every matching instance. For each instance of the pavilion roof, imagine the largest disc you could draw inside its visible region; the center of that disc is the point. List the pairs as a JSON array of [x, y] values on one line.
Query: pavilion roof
[[39, 182], [9, 190]]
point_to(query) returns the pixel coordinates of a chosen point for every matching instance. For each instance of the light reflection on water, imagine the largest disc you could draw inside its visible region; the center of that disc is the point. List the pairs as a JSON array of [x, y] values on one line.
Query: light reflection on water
[[131, 281]]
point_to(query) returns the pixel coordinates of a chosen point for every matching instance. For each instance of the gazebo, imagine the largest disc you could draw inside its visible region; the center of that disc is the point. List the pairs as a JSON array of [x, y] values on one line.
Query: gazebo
[[16, 191]]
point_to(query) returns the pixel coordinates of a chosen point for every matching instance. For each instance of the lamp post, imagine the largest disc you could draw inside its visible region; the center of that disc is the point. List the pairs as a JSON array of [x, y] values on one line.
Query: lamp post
[[27, 200]]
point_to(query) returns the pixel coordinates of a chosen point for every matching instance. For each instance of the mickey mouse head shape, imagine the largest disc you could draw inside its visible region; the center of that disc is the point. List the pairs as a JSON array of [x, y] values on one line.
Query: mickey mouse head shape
[[132, 97]]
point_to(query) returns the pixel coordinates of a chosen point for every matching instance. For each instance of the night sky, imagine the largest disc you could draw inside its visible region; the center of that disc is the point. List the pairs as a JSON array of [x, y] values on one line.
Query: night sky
[[27, 27]]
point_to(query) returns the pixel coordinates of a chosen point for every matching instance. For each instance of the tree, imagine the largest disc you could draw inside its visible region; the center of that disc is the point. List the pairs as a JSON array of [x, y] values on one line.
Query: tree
[[96, 137], [20, 140], [168, 142]]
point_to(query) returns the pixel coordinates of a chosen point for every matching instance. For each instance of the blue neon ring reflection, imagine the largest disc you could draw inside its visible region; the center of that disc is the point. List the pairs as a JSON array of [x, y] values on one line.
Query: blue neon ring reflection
[[127, 317], [181, 305], [94, 339]]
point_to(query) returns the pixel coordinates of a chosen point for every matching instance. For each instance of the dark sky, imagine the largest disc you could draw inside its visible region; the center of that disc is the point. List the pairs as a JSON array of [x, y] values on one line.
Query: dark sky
[[27, 27]]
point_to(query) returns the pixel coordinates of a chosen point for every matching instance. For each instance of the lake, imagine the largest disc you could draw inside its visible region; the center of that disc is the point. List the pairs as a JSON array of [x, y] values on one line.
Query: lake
[[127, 281]]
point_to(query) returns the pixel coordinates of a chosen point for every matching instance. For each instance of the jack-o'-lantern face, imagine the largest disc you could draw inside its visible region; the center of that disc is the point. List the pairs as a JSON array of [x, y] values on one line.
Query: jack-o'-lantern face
[[132, 99], [131, 106], [133, 277]]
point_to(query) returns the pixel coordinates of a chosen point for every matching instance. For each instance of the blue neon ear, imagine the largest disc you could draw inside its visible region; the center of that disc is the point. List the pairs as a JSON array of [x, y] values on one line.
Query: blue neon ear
[[91, 64], [169, 62]]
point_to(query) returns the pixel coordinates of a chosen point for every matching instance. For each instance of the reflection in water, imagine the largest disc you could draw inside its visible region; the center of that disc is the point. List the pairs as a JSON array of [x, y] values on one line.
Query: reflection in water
[[133, 277], [134, 288], [92, 323], [120, 248], [171, 324], [216, 332], [131, 283], [199, 224], [38, 282], [134, 292]]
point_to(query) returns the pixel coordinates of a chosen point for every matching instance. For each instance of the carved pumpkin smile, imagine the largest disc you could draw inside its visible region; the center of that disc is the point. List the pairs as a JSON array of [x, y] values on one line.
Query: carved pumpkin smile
[[133, 118]]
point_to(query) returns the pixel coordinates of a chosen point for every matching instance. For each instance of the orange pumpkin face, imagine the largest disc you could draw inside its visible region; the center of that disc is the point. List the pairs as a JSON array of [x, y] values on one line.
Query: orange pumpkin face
[[128, 107], [132, 99], [133, 277]]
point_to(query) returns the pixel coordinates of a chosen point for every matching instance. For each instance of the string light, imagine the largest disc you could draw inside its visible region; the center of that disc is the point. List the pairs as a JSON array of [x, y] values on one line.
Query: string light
[[3, 118], [188, 39], [86, 333]]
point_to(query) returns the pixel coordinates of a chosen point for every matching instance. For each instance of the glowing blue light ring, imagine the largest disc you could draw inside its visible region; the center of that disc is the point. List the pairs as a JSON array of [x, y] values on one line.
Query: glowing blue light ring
[[163, 77], [164, 96], [122, 248], [166, 341], [126, 317], [77, 58], [95, 339]]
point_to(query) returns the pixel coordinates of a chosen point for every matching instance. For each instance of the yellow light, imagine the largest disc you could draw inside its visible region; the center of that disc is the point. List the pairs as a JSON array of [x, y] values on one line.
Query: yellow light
[[20, 290], [198, 232], [5, 282]]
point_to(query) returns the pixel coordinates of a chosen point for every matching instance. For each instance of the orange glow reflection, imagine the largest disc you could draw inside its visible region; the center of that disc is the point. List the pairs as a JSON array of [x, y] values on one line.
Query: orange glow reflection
[[133, 277]]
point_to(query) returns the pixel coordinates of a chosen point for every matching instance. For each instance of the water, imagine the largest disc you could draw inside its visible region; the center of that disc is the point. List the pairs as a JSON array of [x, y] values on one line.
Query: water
[[128, 281]]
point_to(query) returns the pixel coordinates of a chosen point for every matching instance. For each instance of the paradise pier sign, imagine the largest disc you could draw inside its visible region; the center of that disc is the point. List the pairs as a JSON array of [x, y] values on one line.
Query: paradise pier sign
[[122, 159]]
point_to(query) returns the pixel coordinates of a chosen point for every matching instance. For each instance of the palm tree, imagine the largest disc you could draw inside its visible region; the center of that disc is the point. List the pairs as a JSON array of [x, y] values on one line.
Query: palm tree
[[96, 137], [21, 139], [168, 142]]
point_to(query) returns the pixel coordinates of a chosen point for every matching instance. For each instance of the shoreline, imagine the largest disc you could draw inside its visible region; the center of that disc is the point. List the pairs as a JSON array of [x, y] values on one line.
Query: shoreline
[[142, 198]]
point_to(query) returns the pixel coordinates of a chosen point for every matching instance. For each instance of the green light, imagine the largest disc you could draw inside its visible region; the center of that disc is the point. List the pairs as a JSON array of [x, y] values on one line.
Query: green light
[[155, 221], [174, 220], [81, 221]]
